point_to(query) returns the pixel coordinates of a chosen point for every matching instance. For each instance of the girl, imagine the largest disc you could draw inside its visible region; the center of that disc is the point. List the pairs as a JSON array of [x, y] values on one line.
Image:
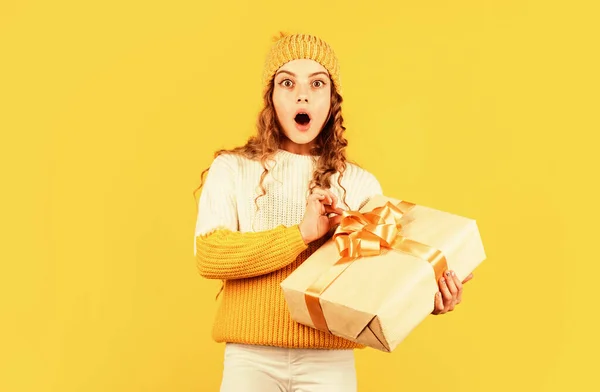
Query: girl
[[265, 207]]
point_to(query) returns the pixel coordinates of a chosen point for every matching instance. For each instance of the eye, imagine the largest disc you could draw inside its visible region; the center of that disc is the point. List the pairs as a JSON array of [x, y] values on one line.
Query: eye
[[318, 83], [286, 83]]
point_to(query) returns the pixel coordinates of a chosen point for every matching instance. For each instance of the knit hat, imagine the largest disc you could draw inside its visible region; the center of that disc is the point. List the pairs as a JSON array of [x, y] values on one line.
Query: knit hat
[[290, 47]]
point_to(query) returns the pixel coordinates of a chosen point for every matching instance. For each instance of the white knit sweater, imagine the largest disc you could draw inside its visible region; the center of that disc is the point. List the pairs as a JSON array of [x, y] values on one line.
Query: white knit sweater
[[253, 252], [232, 184]]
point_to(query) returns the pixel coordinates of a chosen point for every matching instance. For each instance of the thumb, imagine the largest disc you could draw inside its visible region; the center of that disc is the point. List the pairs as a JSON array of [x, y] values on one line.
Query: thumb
[[335, 220]]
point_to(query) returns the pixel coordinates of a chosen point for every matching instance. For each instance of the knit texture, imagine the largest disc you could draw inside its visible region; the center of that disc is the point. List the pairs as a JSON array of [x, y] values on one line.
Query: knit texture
[[254, 251], [302, 46]]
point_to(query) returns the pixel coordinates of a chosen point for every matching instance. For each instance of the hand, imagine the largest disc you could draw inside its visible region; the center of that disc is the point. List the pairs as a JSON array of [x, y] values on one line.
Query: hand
[[316, 221], [450, 293]]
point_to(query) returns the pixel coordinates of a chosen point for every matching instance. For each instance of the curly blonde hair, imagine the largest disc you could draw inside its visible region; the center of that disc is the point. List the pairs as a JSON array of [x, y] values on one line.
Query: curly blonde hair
[[329, 146]]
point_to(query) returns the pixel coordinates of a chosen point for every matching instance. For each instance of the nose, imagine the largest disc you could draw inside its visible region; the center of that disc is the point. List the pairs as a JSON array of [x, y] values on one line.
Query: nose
[[302, 98]]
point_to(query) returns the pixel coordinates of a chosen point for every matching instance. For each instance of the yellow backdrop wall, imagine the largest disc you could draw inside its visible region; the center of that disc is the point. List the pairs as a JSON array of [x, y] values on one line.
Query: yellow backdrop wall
[[110, 111]]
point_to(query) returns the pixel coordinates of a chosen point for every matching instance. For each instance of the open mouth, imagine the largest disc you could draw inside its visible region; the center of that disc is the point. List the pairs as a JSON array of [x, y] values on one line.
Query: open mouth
[[302, 118]]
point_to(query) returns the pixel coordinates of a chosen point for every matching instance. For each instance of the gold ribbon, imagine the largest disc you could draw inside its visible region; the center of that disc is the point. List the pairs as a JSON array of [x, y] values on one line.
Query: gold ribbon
[[365, 235]]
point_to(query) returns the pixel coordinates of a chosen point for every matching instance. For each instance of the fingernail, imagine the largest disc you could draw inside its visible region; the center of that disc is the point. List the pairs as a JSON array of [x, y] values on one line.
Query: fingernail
[[447, 273], [453, 274], [443, 281]]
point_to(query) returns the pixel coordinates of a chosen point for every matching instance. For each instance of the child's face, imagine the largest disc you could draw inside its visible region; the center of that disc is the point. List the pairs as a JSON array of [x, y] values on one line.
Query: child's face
[[302, 98]]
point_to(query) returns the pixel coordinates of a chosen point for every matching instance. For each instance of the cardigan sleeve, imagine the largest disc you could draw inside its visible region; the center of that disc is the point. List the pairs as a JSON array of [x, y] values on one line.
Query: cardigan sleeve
[[217, 207], [225, 254], [221, 251]]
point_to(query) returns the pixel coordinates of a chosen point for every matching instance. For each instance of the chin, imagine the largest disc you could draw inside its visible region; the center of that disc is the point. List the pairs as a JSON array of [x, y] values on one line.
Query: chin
[[301, 137]]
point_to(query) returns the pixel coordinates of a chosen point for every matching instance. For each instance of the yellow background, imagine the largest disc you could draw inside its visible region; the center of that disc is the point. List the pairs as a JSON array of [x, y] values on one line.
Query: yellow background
[[110, 110]]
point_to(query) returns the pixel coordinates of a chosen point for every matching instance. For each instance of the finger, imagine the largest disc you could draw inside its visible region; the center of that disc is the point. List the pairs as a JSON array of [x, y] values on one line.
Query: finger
[[333, 198], [332, 210], [452, 288], [446, 294], [438, 303], [335, 220], [315, 197], [459, 287], [450, 283], [328, 198], [469, 277], [315, 202]]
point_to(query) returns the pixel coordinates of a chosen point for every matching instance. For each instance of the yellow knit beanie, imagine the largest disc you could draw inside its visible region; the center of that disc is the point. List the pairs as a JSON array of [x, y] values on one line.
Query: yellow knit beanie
[[290, 47]]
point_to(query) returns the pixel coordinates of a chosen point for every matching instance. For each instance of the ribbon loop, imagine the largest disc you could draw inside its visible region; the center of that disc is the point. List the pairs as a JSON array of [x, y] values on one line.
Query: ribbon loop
[[365, 234]]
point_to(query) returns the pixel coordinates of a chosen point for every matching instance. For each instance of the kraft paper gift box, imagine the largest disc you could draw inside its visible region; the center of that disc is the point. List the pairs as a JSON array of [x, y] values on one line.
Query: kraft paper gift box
[[375, 280]]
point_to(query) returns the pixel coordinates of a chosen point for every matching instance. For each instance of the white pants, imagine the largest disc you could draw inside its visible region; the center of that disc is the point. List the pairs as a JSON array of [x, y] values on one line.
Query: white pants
[[250, 368]]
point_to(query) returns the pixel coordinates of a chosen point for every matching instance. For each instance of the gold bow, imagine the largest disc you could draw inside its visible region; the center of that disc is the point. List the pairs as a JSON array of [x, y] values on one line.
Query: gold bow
[[363, 235]]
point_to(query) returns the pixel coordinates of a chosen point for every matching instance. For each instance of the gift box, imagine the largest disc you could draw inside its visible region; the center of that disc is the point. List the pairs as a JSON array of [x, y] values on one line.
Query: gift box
[[375, 279]]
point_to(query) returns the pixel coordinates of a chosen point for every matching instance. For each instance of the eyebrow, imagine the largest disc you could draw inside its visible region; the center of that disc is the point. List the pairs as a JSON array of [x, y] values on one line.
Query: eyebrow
[[294, 75]]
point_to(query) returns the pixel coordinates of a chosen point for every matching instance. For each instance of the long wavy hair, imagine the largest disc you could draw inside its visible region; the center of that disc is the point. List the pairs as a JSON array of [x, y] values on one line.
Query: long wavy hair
[[330, 145]]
